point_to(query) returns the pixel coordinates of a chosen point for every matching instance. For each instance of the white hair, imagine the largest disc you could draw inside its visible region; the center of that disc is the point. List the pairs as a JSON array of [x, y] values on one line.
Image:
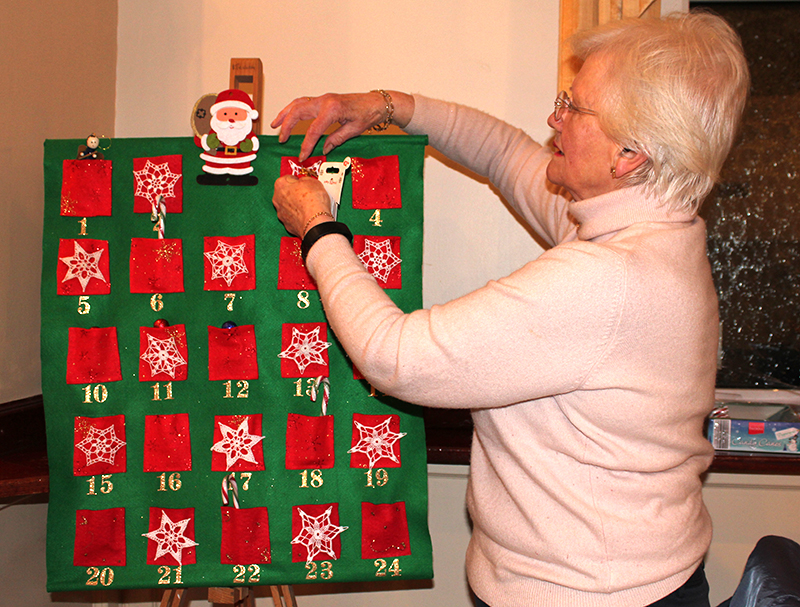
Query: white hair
[[675, 91]]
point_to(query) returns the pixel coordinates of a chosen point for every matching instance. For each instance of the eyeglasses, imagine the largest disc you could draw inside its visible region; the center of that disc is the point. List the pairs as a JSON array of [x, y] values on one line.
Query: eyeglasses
[[563, 102]]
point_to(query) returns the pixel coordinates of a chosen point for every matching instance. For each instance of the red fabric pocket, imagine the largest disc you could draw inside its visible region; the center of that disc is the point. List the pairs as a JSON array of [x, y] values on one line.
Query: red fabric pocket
[[376, 183], [232, 353], [309, 442], [167, 443], [245, 536], [156, 265], [93, 356], [86, 188], [99, 538], [384, 530]]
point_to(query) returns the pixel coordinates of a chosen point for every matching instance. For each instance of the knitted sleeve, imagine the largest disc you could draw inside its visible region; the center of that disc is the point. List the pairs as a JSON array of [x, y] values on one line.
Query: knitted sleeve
[[534, 333]]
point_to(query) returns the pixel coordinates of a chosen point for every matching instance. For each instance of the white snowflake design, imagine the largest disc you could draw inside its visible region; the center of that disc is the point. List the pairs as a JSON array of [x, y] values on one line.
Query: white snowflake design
[[227, 261], [170, 538], [162, 355], [237, 444], [306, 348], [377, 442], [101, 445], [317, 534], [155, 180], [83, 266], [379, 258]]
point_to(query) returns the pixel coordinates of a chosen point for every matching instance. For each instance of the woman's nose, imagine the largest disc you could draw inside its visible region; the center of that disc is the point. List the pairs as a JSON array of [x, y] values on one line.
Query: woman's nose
[[553, 123]]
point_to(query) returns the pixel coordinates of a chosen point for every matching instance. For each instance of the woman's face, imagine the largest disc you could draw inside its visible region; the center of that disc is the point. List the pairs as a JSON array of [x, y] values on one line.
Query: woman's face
[[584, 154]]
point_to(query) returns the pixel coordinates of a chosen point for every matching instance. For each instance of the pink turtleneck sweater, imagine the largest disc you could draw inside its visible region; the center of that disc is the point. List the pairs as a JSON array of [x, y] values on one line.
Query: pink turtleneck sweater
[[589, 372]]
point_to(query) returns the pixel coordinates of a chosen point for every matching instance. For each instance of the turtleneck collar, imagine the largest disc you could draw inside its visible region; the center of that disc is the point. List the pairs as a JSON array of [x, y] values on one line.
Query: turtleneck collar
[[609, 213]]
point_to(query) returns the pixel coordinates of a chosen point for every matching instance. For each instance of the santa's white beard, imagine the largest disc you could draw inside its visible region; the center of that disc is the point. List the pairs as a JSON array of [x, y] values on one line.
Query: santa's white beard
[[231, 133]]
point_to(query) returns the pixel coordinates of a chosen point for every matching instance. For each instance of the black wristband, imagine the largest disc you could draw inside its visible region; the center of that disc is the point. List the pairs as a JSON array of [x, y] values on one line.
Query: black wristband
[[320, 230]]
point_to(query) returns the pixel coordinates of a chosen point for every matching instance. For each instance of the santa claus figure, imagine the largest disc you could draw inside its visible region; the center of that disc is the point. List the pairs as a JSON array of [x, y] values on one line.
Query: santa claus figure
[[230, 147]]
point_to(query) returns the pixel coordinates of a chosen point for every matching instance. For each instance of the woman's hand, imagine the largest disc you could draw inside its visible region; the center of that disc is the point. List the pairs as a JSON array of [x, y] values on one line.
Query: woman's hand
[[301, 203], [354, 112]]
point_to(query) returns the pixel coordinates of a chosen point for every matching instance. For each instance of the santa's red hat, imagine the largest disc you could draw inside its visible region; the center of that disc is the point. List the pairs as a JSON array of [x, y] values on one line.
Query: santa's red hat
[[235, 98]]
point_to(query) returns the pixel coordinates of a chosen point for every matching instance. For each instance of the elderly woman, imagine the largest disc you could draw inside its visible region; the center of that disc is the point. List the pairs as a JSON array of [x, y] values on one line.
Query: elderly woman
[[589, 371]]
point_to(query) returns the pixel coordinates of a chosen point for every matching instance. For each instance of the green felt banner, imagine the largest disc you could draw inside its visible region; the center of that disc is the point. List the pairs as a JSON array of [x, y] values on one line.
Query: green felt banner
[[183, 453]]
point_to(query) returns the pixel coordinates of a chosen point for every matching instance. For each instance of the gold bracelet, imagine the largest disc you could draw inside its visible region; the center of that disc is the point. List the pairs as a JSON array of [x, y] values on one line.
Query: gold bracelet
[[313, 217], [382, 126]]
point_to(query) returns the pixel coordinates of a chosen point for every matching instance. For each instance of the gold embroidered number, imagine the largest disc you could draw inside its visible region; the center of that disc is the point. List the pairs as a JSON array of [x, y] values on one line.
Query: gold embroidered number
[[106, 486], [104, 576], [244, 389], [83, 231], [298, 386], [157, 391], [83, 304], [376, 218], [157, 302], [315, 481], [230, 297], [325, 570], [382, 569], [302, 300], [240, 570], [381, 478], [99, 393], [166, 575], [174, 481]]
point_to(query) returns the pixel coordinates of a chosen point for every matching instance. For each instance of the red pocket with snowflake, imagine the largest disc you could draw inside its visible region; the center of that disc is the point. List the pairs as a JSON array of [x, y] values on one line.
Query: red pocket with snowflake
[[93, 356], [99, 447], [315, 533], [86, 188], [376, 441], [170, 535], [156, 265], [381, 256], [245, 536], [309, 442], [237, 443], [229, 263], [292, 166], [376, 183], [304, 350], [292, 272], [167, 443], [83, 267], [158, 176], [384, 530], [99, 538], [232, 353], [163, 353]]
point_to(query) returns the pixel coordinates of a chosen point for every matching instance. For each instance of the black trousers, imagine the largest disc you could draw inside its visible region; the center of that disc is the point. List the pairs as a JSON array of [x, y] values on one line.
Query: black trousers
[[693, 593]]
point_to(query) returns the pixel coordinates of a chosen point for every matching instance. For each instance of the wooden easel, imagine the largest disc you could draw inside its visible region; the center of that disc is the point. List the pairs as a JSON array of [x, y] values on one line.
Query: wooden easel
[[245, 75], [241, 596]]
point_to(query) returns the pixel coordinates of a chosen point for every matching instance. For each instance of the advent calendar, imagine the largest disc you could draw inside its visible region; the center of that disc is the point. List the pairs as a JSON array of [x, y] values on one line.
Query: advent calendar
[[205, 427]]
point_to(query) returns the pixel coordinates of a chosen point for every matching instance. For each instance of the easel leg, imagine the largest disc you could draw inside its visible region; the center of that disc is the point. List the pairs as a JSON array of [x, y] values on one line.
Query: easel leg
[[174, 597], [283, 596]]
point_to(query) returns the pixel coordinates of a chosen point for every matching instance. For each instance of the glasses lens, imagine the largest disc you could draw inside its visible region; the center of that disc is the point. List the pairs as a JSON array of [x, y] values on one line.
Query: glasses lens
[[562, 101]]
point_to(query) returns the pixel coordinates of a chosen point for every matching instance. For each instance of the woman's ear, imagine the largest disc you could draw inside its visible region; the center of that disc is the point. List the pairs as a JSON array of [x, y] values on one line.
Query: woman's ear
[[627, 161]]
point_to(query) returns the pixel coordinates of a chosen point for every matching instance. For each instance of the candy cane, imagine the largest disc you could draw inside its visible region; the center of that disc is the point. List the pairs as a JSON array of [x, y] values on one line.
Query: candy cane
[[159, 215], [230, 480], [326, 392]]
